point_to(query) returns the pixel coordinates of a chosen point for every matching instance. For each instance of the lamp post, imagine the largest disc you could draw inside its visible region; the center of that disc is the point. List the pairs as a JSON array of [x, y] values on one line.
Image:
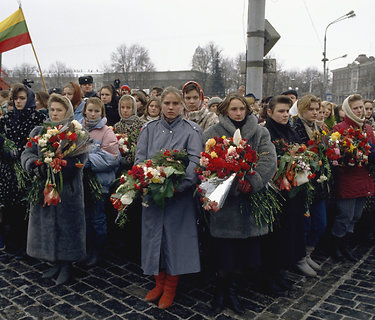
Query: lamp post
[[329, 62], [350, 14]]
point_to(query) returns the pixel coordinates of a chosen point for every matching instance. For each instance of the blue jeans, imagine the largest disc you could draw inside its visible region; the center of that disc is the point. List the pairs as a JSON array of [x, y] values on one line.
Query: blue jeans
[[349, 212], [316, 224], [96, 222]]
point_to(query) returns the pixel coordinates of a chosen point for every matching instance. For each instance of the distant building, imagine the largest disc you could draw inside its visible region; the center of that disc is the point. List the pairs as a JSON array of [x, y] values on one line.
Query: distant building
[[136, 80], [357, 77]]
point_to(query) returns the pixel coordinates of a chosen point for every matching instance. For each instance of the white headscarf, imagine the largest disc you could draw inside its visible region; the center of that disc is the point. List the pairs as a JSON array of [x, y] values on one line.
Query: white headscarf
[[69, 115], [349, 113]]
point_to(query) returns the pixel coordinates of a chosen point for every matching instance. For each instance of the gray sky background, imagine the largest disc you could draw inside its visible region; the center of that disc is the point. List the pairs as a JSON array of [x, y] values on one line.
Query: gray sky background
[[83, 33]]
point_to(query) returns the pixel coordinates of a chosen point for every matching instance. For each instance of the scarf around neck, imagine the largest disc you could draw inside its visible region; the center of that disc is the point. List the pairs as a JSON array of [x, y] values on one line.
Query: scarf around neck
[[310, 126]]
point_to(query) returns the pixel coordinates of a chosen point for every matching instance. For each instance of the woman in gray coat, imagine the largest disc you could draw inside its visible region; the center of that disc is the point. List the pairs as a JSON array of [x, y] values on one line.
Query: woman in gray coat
[[170, 236], [235, 235], [57, 233]]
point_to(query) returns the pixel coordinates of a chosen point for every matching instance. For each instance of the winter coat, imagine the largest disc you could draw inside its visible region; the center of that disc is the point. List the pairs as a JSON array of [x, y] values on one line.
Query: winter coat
[[353, 182], [57, 233], [78, 112], [235, 219], [299, 128], [104, 158], [171, 235], [281, 131], [16, 125], [203, 117]]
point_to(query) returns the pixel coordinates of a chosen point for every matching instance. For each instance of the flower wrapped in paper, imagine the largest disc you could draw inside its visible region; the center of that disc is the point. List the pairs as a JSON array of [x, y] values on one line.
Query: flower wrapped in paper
[[222, 161], [56, 143], [159, 176]]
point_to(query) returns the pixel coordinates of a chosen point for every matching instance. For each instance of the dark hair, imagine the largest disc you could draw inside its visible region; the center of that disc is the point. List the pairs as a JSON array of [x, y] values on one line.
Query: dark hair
[[190, 87], [368, 101], [279, 99], [158, 90], [353, 98], [223, 107], [42, 97], [141, 96], [16, 89], [108, 87], [4, 94]]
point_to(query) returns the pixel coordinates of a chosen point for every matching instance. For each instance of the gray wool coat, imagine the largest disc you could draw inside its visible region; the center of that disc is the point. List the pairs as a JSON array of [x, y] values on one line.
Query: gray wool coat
[[170, 236], [57, 233], [234, 219]]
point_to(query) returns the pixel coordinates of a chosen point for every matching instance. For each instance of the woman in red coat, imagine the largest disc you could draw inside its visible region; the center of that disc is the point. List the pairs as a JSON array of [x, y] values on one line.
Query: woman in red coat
[[352, 184]]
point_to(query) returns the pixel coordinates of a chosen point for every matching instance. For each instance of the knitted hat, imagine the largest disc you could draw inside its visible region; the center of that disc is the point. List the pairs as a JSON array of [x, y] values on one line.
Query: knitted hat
[[214, 100], [126, 87]]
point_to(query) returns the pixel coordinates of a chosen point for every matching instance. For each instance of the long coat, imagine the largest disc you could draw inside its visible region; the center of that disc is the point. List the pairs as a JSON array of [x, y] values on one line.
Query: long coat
[[58, 233], [235, 219], [170, 236]]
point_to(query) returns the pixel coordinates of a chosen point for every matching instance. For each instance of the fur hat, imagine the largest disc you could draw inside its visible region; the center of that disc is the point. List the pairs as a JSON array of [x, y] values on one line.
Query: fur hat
[[293, 92], [214, 100], [85, 80]]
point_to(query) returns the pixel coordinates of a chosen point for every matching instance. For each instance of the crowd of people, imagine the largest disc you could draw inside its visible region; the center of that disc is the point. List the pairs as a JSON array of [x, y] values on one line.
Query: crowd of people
[[76, 228]]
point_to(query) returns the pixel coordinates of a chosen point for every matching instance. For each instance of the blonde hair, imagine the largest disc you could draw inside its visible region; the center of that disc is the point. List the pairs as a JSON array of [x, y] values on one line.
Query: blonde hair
[[305, 102]]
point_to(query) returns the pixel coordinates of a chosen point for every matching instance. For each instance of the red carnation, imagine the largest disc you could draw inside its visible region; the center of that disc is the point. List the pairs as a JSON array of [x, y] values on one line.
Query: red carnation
[[62, 136], [73, 136]]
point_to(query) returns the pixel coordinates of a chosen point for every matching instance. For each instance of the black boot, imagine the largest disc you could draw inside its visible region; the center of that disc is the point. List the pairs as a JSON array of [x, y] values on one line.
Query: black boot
[[345, 249], [336, 249], [65, 272], [217, 304], [233, 301], [53, 271]]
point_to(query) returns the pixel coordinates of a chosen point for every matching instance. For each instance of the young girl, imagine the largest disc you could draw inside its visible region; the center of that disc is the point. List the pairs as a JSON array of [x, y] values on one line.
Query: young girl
[[73, 92], [57, 232], [170, 236], [103, 161], [141, 100], [329, 115], [152, 110], [235, 235], [110, 99], [129, 124]]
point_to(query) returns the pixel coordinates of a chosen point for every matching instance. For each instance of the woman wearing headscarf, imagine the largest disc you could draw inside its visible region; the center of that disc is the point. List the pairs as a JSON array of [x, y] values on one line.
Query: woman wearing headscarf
[[16, 125], [352, 184], [57, 233]]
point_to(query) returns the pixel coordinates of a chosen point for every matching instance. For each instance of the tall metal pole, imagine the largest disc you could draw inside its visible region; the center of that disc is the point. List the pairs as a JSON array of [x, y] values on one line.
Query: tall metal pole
[[255, 47]]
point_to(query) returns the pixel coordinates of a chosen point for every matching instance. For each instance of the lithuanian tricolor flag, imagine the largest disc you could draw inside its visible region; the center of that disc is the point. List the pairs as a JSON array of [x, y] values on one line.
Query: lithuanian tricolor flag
[[14, 32]]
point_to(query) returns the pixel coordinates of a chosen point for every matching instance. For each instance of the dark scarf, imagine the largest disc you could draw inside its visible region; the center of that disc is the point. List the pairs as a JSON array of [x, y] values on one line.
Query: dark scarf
[[281, 131], [91, 124], [238, 124]]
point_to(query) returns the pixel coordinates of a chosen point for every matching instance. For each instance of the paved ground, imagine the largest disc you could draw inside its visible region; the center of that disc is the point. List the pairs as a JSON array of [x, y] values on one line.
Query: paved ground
[[114, 290]]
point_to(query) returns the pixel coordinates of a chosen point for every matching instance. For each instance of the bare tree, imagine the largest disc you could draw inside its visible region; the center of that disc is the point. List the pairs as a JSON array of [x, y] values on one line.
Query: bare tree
[[58, 74], [25, 70], [131, 59]]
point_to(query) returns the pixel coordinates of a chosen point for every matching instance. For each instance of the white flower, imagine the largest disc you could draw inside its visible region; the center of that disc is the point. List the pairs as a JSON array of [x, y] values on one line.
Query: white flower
[[42, 142], [127, 198], [47, 160], [121, 141], [47, 136], [77, 125], [322, 178], [237, 137]]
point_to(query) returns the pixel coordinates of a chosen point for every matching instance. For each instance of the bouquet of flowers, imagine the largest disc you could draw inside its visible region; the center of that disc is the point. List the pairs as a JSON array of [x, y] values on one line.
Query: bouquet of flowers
[[127, 144], [294, 167], [349, 147], [222, 161], [160, 176], [22, 176], [56, 144]]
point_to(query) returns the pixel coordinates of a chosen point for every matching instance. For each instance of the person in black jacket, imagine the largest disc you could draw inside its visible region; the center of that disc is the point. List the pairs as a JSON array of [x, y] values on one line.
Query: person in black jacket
[[16, 125], [284, 247], [108, 95]]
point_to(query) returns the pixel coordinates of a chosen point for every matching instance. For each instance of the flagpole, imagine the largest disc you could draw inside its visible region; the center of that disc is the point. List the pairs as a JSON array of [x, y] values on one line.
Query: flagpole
[[32, 46]]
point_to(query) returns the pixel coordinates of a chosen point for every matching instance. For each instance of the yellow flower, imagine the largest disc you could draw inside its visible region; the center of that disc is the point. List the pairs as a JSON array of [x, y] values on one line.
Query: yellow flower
[[210, 143], [155, 180], [325, 133], [335, 136], [351, 148], [223, 137], [213, 154]]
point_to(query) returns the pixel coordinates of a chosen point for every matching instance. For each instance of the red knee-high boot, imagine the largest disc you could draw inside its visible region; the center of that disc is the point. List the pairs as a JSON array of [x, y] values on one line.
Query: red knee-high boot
[[169, 291], [155, 293]]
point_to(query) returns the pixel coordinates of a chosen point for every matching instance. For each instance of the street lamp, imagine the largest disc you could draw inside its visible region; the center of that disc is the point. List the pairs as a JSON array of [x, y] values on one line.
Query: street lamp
[[350, 14], [329, 62]]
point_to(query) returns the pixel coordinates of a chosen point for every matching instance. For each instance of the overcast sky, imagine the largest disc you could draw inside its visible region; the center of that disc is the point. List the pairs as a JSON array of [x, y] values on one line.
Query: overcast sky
[[83, 33]]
